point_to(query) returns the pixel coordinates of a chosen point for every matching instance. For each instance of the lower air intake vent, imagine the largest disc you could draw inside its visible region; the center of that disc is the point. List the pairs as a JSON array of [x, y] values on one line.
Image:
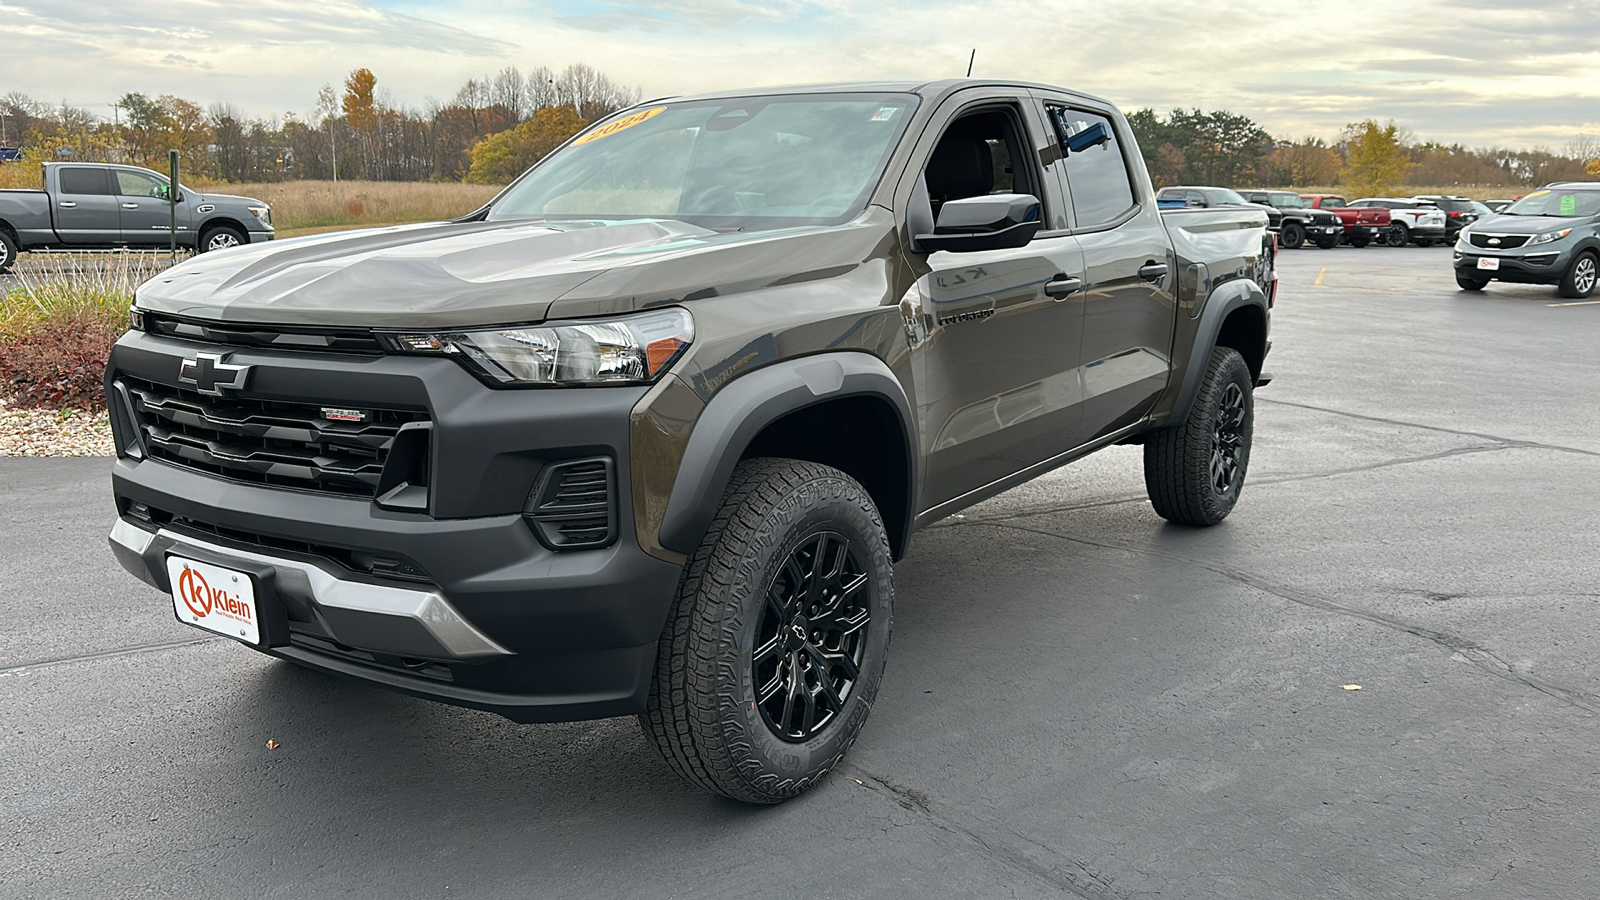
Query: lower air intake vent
[[573, 506]]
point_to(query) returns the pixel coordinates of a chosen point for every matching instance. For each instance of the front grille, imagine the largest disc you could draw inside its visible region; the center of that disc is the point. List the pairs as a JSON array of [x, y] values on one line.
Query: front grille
[[266, 442], [1503, 241], [334, 340]]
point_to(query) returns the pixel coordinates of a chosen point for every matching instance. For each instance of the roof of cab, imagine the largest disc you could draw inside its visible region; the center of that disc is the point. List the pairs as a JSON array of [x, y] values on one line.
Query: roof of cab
[[930, 89]]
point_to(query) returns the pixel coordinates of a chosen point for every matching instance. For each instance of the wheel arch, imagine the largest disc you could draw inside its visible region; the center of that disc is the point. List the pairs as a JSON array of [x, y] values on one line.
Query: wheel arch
[[220, 221], [1234, 316], [796, 409]]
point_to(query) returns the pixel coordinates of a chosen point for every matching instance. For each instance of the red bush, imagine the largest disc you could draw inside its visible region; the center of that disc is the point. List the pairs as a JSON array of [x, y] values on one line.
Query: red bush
[[61, 365]]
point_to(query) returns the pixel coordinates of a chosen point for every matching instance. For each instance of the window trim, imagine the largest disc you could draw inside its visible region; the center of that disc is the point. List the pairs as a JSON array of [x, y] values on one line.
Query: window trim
[[1134, 207]]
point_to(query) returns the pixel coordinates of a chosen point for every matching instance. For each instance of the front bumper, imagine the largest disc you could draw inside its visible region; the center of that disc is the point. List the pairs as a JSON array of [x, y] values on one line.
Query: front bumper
[[1541, 266], [470, 607], [257, 237]]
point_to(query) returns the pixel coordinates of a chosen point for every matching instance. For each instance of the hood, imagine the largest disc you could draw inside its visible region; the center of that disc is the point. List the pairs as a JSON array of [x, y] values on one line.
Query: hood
[[226, 198], [1501, 224], [456, 275]]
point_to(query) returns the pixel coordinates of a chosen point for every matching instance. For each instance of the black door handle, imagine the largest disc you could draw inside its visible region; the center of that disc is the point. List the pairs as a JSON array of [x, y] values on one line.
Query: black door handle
[[1152, 270], [1061, 287]]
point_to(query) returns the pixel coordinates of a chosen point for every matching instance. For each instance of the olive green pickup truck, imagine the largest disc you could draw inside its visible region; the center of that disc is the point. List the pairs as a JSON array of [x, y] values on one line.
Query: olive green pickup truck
[[644, 435]]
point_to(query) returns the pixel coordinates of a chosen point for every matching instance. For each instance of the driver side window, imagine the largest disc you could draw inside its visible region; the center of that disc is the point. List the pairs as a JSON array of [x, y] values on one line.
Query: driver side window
[[138, 184], [982, 152]]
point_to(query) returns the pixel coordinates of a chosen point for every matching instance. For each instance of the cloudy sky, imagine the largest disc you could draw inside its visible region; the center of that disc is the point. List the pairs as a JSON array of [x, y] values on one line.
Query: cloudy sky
[[1481, 72]]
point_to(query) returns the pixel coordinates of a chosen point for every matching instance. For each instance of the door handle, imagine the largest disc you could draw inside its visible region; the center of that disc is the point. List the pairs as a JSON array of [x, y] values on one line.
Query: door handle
[[68, 204], [130, 206], [1061, 287], [1151, 271]]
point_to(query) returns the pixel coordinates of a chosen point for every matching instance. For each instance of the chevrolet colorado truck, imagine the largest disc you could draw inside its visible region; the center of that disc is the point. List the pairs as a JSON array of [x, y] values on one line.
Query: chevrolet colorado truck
[[644, 435], [89, 206], [1362, 225]]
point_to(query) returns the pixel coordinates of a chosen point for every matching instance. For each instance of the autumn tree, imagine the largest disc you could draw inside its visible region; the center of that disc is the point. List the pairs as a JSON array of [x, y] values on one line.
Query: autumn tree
[[1305, 163], [501, 157], [1375, 162]]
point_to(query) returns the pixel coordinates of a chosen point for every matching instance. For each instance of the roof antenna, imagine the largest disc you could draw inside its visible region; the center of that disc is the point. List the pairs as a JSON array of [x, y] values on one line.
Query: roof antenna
[[969, 61]]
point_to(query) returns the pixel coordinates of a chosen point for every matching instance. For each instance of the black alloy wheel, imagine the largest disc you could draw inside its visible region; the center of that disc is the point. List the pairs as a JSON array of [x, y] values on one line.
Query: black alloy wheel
[[1397, 235], [811, 637], [1228, 440], [1292, 236]]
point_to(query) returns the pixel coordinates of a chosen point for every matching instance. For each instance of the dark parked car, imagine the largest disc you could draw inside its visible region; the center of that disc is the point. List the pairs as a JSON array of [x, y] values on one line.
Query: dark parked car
[[644, 434], [1551, 236], [10, 154], [1297, 221], [1410, 220], [1459, 211]]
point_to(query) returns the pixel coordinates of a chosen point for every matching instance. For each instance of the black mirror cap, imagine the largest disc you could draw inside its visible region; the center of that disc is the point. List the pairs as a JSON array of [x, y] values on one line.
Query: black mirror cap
[[987, 222]]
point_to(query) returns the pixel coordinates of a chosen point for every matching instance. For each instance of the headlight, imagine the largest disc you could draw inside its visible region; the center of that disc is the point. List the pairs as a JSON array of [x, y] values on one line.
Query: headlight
[[1549, 236], [625, 350], [264, 213]]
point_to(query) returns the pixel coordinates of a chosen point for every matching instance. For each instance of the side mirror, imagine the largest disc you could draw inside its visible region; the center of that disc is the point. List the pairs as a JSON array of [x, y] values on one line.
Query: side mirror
[[988, 222], [1093, 136], [1197, 204]]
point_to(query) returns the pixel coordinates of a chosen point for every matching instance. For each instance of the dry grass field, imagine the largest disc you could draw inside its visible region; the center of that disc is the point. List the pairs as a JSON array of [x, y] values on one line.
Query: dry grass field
[[322, 205]]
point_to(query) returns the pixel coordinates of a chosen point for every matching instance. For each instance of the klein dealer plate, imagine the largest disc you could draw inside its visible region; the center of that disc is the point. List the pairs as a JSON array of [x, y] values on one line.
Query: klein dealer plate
[[214, 598]]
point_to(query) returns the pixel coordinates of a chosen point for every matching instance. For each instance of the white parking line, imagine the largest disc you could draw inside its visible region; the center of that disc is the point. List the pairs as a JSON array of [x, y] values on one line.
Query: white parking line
[[1575, 303]]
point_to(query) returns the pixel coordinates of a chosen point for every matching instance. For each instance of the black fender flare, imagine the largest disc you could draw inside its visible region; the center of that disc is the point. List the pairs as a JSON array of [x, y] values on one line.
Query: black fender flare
[[739, 411], [1223, 301]]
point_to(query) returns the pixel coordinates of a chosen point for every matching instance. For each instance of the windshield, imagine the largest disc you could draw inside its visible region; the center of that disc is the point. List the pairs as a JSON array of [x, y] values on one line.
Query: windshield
[[1223, 195], [1332, 203], [1289, 201], [761, 162], [1557, 203]]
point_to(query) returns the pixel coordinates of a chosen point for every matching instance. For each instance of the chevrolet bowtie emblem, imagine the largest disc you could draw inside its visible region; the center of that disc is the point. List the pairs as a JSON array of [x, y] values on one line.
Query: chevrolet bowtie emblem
[[210, 375]]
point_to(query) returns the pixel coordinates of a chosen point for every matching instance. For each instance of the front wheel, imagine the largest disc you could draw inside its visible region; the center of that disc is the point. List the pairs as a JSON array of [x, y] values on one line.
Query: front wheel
[[221, 237], [1580, 278], [775, 645], [1194, 472], [1398, 235], [1292, 236], [1470, 281]]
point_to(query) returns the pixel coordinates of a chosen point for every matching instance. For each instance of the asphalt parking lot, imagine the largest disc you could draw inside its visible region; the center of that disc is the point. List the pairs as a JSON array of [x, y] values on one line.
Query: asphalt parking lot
[[1080, 700]]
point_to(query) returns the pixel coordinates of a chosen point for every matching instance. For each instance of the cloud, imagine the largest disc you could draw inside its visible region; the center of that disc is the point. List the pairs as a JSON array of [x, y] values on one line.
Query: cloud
[[1475, 71]]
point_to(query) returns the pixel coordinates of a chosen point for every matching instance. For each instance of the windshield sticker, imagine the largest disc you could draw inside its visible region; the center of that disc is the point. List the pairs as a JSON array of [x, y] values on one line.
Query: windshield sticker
[[621, 124], [884, 114], [1569, 205]]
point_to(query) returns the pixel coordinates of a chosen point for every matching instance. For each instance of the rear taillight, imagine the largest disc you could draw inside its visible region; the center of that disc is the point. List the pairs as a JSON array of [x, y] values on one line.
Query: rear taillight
[[1455, 214]]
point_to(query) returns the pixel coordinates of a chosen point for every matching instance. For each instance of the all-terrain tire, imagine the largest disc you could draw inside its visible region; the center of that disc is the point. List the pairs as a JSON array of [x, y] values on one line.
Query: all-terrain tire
[[1194, 471], [221, 237], [1579, 282], [705, 715], [1397, 235], [1292, 236], [1470, 281], [8, 250]]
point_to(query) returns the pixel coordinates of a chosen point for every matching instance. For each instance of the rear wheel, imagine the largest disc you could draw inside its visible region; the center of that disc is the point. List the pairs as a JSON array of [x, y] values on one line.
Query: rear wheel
[[221, 237], [774, 648], [1194, 472], [1360, 240], [1398, 235], [1292, 236], [1580, 278], [8, 250], [1470, 281], [1328, 243]]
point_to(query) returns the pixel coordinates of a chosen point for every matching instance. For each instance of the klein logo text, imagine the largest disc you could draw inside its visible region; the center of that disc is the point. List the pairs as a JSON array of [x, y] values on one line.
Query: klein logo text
[[202, 599]]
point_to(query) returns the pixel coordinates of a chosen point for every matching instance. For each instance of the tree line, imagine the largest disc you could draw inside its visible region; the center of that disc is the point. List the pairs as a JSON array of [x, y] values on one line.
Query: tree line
[[354, 132], [1368, 158]]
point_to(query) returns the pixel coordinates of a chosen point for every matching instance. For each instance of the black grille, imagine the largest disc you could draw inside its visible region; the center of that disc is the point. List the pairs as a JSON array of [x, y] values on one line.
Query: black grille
[[265, 442], [1501, 241], [328, 340], [572, 506]]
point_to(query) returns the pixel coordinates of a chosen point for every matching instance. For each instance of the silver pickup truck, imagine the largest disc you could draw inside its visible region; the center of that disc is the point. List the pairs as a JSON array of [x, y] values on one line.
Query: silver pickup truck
[[88, 206]]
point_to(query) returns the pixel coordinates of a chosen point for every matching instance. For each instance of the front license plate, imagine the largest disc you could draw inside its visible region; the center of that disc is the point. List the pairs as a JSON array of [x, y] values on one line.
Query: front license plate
[[214, 598], [1488, 262]]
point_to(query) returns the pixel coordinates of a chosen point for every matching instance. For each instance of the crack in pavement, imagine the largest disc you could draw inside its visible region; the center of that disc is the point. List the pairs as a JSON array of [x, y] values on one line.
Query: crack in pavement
[[1075, 877], [1512, 442], [103, 654], [1473, 653]]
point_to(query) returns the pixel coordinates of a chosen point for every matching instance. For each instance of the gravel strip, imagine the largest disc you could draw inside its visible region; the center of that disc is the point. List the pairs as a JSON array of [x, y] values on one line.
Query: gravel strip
[[49, 432]]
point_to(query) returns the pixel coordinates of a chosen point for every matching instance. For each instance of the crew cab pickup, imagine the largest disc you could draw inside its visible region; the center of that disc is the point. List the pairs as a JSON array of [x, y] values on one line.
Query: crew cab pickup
[[644, 434], [89, 206], [1362, 225]]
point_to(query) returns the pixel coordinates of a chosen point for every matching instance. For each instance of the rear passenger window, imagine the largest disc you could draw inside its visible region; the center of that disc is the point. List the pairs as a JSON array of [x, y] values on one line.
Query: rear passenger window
[[85, 181], [1097, 176]]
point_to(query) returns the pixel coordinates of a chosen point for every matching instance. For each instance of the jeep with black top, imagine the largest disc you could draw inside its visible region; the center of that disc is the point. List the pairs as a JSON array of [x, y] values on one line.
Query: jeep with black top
[[645, 434]]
